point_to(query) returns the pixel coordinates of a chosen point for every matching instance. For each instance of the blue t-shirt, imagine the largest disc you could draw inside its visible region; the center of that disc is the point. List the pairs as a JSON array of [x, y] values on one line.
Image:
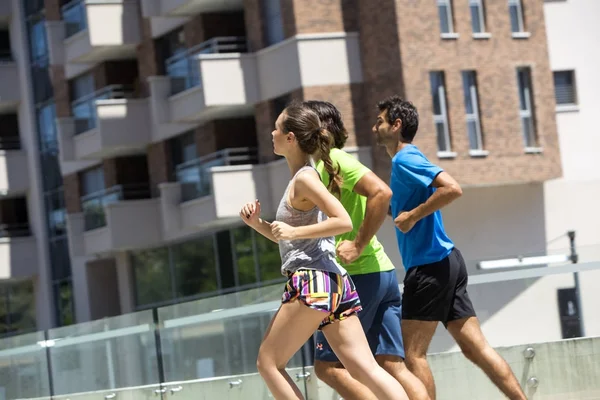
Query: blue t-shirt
[[412, 175]]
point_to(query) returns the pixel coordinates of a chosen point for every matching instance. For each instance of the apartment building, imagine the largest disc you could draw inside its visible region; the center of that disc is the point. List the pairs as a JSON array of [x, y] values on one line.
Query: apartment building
[[133, 130]]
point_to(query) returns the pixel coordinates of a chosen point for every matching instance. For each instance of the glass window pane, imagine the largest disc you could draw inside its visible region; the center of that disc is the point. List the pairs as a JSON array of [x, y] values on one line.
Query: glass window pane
[[63, 295], [269, 261], [55, 208], [273, 28], [92, 181], [59, 258], [436, 81], [564, 87], [4, 317], [441, 137], [225, 259], [473, 136], [244, 255], [514, 18], [21, 301], [523, 79], [46, 117], [152, 276], [468, 83], [444, 18], [195, 267], [528, 131], [476, 22]]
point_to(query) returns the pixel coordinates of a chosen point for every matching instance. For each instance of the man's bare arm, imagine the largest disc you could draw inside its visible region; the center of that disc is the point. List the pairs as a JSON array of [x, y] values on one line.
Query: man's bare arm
[[378, 196], [447, 191]]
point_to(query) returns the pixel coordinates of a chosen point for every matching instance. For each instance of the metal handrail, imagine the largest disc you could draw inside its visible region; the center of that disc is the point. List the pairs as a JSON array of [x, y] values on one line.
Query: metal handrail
[[184, 72], [194, 175], [18, 229], [6, 56], [10, 142], [93, 204], [87, 105]]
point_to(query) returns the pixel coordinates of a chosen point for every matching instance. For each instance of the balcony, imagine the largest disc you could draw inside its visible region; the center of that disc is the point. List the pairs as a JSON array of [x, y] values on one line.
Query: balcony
[[187, 8], [118, 218], [87, 40], [203, 195], [211, 81], [10, 93], [14, 169], [211, 189], [18, 251], [106, 123], [215, 79]]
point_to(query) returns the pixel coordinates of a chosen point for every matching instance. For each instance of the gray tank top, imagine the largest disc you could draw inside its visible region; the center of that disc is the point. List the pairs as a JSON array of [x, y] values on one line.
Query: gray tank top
[[305, 253]]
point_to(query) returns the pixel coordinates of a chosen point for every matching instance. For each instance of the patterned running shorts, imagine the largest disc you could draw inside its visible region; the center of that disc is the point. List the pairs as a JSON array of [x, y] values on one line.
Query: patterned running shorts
[[328, 292]]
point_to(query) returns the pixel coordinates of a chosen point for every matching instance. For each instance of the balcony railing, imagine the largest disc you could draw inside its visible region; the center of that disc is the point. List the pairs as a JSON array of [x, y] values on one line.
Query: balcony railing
[[19, 229], [84, 108], [184, 72], [6, 56], [194, 175], [10, 142], [74, 16], [93, 203]]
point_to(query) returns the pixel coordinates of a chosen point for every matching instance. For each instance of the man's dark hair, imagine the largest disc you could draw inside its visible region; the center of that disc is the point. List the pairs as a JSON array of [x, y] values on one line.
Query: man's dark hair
[[405, 111], [331, 119]]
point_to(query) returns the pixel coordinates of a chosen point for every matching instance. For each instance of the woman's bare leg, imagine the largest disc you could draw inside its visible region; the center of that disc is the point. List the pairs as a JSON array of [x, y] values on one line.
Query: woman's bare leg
[[290, 328], [348, 341]]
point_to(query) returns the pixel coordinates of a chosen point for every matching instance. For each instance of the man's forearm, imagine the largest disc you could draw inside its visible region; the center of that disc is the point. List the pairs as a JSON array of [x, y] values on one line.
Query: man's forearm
[[441, 198], [375, 213]]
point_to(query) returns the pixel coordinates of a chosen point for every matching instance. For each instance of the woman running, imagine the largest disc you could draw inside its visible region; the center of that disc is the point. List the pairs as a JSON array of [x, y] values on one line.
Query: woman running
[[319, 294]]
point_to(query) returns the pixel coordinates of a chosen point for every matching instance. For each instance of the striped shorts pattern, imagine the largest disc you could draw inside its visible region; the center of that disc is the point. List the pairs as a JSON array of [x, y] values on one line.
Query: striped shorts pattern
[[328, 292]]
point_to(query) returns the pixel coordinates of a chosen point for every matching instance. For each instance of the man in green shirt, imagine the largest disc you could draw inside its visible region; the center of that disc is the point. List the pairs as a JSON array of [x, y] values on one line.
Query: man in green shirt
[[366, 198]]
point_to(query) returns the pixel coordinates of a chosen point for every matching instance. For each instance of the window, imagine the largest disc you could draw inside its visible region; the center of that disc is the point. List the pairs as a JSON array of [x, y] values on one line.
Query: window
[[564, 88], [55, 207], [46, 117], [217, 263], [273, 26], [59, 258], [445, 12], [245, 263], [515, 8], [195, 267], [526, 107], [440, 112], [477, 16], [152, 276], [65, 310], [17, 308], [92, 181], [472, 109]]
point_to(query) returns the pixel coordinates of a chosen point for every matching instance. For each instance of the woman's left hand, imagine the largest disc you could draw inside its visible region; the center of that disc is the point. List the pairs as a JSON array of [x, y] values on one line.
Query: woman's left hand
[[283, 231]]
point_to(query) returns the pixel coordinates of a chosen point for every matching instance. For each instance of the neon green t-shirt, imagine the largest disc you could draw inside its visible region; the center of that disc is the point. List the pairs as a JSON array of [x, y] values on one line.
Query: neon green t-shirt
[[373, 257]]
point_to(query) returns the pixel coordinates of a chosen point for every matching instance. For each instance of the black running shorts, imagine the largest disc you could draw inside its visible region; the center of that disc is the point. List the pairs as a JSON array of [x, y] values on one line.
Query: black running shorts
[[437, 291]]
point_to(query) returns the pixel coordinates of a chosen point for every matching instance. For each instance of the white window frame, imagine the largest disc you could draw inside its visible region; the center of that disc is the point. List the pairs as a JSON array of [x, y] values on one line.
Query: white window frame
[[475, 115], [481, 15], [449, 16], [443, 118], [520, 18], [527, 113]]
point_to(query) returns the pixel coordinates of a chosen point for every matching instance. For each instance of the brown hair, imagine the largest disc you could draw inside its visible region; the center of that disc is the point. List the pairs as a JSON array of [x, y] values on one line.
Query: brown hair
[[312, 139]]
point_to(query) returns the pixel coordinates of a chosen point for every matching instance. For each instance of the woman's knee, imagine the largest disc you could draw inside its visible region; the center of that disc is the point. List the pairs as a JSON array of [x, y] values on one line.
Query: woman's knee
[[267, 360], [362, 371]]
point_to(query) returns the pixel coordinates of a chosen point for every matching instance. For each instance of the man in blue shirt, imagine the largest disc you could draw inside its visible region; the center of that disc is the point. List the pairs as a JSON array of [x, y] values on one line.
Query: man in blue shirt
[[435, 285]]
